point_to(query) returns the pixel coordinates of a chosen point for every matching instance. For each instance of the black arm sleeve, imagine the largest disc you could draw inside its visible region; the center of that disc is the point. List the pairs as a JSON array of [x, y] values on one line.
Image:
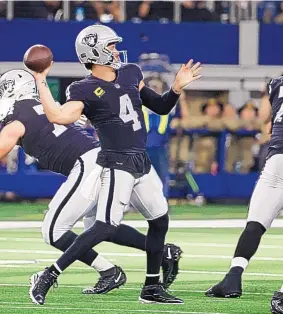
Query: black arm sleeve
[[160, 104]]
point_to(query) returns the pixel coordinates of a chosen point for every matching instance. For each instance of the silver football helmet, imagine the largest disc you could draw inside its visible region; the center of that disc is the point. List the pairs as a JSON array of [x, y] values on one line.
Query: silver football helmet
[[92, 47], [15, 85]]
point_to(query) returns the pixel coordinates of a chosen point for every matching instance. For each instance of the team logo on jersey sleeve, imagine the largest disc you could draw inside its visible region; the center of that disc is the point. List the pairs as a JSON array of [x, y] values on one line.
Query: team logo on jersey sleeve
[[99, 92], [90, 40]]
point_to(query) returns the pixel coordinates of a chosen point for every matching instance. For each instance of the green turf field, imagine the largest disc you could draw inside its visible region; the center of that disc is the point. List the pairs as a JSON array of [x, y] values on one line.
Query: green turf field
[[206, 256], [30, 211]]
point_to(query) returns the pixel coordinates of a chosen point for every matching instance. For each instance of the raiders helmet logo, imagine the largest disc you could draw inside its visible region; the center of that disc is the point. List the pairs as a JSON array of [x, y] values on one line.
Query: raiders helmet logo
[[90, 40], [7, 87]]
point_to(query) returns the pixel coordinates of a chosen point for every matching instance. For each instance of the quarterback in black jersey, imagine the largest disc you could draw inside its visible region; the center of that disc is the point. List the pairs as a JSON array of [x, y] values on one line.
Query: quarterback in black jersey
[[111, 97], [265, 204], [70, 151]]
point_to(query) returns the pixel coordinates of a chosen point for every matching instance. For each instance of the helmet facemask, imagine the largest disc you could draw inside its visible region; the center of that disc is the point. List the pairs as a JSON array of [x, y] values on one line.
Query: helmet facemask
[[116, 58]]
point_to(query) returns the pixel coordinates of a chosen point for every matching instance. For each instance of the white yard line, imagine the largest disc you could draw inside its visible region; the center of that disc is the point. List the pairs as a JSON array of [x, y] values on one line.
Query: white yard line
[[134, 289], [211, 223], [116, 254], [189, 244], [225, 245], [221, 223], [93, 309], [196, 272], [11, 239]]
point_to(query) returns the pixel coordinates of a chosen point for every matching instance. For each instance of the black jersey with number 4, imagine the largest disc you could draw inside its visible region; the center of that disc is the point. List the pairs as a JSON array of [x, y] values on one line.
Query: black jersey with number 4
[[56, 147], [115, 110], [276, 101]]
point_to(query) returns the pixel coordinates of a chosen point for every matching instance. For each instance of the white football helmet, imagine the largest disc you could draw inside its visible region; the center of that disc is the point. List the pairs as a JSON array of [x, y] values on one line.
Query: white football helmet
[[15, 85], [92, 43]]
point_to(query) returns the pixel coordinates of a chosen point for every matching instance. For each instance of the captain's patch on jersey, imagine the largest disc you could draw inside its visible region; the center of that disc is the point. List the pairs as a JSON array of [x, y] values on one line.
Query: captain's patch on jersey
[[99, 92]]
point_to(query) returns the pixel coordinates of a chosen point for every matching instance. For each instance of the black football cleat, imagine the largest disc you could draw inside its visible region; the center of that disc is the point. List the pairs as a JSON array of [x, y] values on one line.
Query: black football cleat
[[170, 264], [229, 287], [40, 284], [109, 280], [276, 304], [156, 294]]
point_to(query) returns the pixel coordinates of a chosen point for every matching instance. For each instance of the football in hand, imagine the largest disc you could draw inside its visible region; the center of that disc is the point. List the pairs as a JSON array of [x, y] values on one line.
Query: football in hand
[[38, 58]]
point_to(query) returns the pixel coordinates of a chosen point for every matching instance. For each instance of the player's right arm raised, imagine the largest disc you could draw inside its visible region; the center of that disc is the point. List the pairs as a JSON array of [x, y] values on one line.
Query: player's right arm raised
[[65, 114]]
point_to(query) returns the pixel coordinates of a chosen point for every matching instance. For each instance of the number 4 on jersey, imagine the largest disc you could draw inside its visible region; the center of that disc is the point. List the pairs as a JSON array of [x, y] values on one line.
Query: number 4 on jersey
[[127, 112]]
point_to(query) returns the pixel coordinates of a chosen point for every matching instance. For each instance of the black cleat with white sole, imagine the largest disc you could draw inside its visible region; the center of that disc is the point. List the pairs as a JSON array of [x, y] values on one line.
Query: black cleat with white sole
[[40, 284], [276, 304], [109, 280], [170, 264], [229, 287], [156, 294]]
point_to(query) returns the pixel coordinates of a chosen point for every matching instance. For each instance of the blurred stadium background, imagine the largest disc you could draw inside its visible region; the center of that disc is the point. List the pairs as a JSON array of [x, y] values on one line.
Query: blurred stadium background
[[208, 151]]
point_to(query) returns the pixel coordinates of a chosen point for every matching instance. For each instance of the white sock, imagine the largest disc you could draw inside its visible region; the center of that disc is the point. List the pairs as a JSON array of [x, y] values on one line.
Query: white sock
[[101, 264], [239, 262], [281, 289], [58, 268], [152, 275]]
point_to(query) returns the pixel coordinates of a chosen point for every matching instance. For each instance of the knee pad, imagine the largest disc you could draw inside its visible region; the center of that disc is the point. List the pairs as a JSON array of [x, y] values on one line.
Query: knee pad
[[160, 224], [255, 227]]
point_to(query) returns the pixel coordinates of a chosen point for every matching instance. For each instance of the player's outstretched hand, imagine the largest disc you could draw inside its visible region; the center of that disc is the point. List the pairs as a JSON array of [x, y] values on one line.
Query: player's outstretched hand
[[42, 75], [187, 74]]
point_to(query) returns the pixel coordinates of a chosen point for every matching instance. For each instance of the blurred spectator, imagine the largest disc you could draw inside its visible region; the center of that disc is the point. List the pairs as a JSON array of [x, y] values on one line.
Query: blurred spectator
[[158, 132], [179, 143], [197, 11], [241, 151], [222, 9], [82, 10], [266, 11], [279, 18], [231, 122], [105, 11], [249, 120], [150, 10], [267, 16], [265, 117], [204, 146], [2, 8], [51, 10]]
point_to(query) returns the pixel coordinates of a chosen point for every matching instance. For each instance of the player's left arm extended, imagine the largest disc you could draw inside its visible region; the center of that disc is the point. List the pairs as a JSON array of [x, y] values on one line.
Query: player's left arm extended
[[65, 114], [9, 137], [163, 104], [160, 104]]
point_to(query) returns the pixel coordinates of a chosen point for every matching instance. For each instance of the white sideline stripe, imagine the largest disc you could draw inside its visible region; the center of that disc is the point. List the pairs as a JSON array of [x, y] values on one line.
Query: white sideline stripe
[[220, 223], [212, 223], [226, 245], [196, 272], [116, 254], [21, 239], [102, 310], [273, 236], [190, 244], [132, 289]]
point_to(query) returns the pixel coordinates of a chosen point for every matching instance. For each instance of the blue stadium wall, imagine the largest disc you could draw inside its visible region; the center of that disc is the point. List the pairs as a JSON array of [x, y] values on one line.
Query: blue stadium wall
[[211, 43], [271, 44]]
